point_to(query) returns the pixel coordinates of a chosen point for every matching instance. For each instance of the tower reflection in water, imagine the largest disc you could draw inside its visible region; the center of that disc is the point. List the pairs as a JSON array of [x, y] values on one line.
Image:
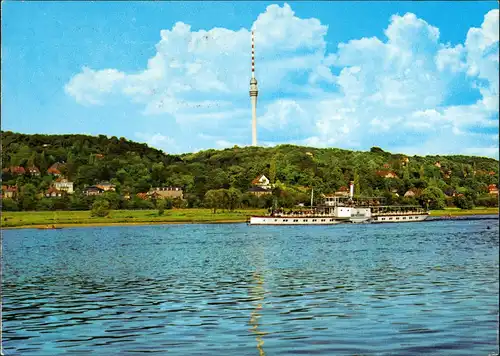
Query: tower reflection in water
[[257, 292]]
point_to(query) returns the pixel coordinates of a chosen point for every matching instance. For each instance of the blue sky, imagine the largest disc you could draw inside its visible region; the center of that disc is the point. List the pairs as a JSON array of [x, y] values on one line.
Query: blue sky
[[410, 77]]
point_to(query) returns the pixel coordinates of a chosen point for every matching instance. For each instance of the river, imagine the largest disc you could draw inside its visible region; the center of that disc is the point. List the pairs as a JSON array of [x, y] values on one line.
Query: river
[[233, 289]]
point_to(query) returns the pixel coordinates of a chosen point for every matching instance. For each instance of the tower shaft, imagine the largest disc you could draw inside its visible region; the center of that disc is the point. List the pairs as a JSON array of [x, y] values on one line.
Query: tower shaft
[[254, 92]]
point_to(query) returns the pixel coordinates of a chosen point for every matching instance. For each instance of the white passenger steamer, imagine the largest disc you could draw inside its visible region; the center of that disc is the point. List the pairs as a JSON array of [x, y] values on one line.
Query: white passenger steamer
[[337, 210]]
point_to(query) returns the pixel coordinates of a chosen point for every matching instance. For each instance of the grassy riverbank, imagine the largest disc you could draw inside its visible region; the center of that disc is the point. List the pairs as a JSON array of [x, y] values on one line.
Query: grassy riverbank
[[28, 219], [460, 212], [34, 219]]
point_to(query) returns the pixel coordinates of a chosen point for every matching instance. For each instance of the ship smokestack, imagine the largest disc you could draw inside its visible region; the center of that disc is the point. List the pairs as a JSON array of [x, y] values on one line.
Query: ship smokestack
[[351, 189]]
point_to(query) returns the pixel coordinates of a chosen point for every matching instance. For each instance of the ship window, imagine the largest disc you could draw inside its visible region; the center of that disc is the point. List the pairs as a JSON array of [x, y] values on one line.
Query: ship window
[[390, 218], [304, 220], [404, 217], [397, 218], [314, 220], [383, 218], [331, 219], [275, 219], [322, 219]]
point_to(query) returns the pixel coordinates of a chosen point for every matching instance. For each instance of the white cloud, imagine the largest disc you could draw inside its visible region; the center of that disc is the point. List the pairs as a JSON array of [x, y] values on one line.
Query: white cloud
[[159, 141], [390, 92]]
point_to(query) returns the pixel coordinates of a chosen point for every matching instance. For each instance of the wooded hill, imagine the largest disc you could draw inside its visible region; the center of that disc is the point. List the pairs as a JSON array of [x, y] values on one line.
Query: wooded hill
[[134, 168]]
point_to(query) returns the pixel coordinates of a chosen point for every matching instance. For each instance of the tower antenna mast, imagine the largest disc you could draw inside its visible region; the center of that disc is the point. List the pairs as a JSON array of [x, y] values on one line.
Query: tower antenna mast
[[254, 92]]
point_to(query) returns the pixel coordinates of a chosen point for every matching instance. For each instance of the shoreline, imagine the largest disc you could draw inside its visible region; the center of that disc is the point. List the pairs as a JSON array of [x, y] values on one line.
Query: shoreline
[[437, 215], [131, 223]]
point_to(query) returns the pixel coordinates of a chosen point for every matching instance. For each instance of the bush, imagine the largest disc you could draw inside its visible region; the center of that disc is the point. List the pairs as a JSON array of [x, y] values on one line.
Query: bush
[[463, 202], [9, 205], [45, 204], [160, 204], [100, 208]]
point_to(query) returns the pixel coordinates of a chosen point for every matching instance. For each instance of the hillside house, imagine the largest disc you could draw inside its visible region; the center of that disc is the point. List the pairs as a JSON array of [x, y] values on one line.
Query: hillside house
[[33, 171], [405, 161], [259, 191], [15, 170], [9, 192], [493, 189], [143, 196], [56, 168], [64, 185], [93, 190], [166, 192], [438, 164], [387, 174], [412, 193], [52, 192], [262, 181], [106, 186], [342, 192]]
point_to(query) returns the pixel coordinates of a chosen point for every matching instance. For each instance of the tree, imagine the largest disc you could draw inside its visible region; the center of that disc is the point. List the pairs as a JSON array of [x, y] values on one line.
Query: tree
[[28, 197], [433, 198], [100, 208], [213, 199], [160, 205], [376, 149], [357, 188], [272, 171], [233, 198], [463, 202]]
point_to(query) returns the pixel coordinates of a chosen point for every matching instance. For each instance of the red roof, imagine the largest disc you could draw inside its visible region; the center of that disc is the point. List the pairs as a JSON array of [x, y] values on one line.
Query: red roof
[[15, 170], [53, 190], [492, 187], [53, 171], [7, 188], [257, 180], [343, 189]]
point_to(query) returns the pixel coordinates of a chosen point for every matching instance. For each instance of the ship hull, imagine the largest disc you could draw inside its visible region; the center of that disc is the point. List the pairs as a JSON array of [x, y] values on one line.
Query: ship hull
[[399, 218], [280, 220]]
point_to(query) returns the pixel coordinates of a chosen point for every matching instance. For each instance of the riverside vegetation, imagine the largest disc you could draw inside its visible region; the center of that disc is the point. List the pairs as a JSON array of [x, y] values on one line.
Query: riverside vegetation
[[220, 179]]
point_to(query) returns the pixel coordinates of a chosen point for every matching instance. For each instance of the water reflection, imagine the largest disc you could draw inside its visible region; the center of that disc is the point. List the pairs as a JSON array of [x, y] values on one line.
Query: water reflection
[[257, 293]]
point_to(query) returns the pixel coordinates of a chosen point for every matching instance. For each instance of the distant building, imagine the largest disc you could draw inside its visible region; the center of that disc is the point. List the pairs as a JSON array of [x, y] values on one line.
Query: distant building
[[15, 170], [55, 169], [262, 181], [493, 189], [93, 190], [405, 161], [438, 164], [410, 193], [52, 192], [106, 186], [9, 192], [259, 191], [387, 174], [166, 192], [33, 171], [342, 192], [64, 185]]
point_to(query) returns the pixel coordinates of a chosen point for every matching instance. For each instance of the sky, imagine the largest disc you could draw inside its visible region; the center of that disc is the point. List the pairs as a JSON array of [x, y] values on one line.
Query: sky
[[409, 77]]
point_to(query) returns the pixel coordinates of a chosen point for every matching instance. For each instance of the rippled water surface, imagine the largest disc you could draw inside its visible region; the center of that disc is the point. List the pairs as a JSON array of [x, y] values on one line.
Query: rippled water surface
[[392, 289]]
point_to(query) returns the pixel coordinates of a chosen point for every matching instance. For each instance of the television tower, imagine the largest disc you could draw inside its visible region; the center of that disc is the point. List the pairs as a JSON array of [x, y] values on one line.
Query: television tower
[[254, 92]]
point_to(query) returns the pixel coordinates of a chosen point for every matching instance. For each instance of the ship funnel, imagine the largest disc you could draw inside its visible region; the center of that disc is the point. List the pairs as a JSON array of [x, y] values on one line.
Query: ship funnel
[[351, 190]]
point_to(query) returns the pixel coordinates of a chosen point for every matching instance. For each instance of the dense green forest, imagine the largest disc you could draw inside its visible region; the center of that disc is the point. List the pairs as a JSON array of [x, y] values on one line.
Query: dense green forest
[[452, 180]]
